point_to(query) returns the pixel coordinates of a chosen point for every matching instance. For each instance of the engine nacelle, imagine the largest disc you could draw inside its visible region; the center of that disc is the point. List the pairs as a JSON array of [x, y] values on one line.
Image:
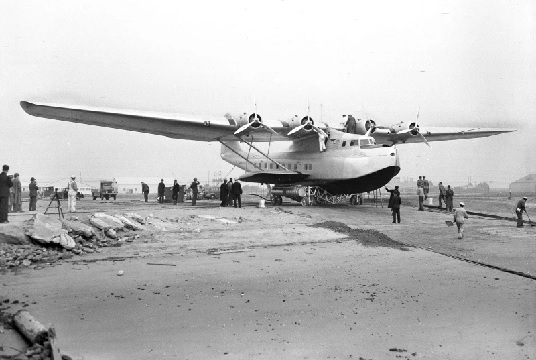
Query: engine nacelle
[[308, 122], [412, 128], [362, 126], [255, 120]]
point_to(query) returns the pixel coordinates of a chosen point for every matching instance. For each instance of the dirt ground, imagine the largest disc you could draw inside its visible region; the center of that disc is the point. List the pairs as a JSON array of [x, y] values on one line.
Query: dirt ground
[[290, 282]]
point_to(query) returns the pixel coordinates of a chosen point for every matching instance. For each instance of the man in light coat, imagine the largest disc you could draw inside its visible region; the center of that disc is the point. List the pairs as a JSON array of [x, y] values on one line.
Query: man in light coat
[[17, 194], [72, 190], [459, 217], [420, 192]]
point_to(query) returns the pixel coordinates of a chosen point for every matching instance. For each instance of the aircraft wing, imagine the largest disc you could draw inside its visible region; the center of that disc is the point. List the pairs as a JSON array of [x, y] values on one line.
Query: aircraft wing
[[436, 134], [170, 125]]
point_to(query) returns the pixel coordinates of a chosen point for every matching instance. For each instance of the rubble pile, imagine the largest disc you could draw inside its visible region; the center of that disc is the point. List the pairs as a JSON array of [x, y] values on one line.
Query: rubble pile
[[54, 240]]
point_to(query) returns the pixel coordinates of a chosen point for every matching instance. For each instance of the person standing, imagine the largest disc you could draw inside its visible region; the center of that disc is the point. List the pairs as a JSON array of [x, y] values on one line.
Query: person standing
[[420, 192], [33, 194], [426, 187], [161, 191], [419, 182], [237, 193], [145, 191], [350, 125], [519, 211], [195, 190], [5, 185], [449, 198], [393, 192], [459, 218], [230, 192], [17, 194], [395, 206], [11, 200], [223, 193], [442, 193], [175, 192], [72, 190]]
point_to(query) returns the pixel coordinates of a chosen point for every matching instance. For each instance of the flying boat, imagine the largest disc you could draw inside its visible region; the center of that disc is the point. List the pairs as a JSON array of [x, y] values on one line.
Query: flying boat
[[319, 163]]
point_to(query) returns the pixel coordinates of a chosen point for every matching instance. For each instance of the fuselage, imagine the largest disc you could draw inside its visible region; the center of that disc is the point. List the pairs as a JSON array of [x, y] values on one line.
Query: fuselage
[[350, 163]]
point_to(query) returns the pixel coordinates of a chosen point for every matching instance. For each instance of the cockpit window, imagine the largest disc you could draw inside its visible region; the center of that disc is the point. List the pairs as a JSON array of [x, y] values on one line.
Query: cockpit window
[[367, 142]]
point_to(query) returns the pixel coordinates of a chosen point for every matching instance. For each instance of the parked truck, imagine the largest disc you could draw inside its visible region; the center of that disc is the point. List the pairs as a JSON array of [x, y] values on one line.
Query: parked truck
[[107, 189]]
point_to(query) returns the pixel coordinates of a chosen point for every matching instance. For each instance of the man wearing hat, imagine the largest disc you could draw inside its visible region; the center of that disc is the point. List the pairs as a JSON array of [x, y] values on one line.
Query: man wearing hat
[[72, 190], [5, 185], [519, 211], [195, 190], [161, 191], [33, 194], [459, 218]]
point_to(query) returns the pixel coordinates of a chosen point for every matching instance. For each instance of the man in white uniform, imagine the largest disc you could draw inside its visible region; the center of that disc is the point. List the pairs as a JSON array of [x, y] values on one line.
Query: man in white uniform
[[72, 190]]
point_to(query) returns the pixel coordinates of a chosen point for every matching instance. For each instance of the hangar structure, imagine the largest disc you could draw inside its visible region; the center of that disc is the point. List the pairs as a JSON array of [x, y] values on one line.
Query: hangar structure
[[526, 185]]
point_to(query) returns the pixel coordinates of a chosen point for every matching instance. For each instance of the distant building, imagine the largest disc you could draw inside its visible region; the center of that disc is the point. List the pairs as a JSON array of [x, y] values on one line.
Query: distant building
[[525, 185]]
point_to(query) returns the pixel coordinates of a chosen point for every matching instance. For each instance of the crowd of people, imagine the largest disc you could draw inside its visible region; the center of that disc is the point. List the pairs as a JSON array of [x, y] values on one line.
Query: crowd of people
[[446, 195], [230, 192], [11, 194]]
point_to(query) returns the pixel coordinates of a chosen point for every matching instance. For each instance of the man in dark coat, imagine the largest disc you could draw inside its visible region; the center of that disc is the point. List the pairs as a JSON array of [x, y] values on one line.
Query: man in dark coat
[[175, 193], [449, 198], [230, 192], [519, 211], [33, 194], [145, 190], [237, 192], [223, 193], [161, 191], [395, 207], [195, 190], [5, 185], [393, 192], [442, 193], [351, 126]]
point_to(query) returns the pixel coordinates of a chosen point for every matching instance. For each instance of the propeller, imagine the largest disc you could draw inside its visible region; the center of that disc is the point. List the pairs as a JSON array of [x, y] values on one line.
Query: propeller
[[414, 130], [254, 122], [308, 124]]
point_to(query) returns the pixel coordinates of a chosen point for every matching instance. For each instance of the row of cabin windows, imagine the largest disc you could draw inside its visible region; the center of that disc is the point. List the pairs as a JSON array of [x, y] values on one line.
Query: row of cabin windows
[[288, 166]]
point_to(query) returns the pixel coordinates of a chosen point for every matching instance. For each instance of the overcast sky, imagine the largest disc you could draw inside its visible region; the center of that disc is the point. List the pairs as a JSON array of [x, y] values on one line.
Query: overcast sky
[[459, 63]]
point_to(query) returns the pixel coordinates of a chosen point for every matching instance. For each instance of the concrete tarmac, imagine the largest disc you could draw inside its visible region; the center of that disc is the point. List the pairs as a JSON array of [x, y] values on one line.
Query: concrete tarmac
[[294, 291]]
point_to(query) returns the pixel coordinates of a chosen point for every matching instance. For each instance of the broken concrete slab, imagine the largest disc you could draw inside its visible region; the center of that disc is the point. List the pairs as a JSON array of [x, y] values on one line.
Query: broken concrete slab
[[45, 229], [130, 224], [13, 234], [113, 222], [79, 228]]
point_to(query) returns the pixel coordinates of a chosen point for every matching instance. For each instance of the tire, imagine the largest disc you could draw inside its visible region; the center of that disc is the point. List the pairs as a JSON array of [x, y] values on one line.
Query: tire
[[94, 198], [114, 196], [107, 197]]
